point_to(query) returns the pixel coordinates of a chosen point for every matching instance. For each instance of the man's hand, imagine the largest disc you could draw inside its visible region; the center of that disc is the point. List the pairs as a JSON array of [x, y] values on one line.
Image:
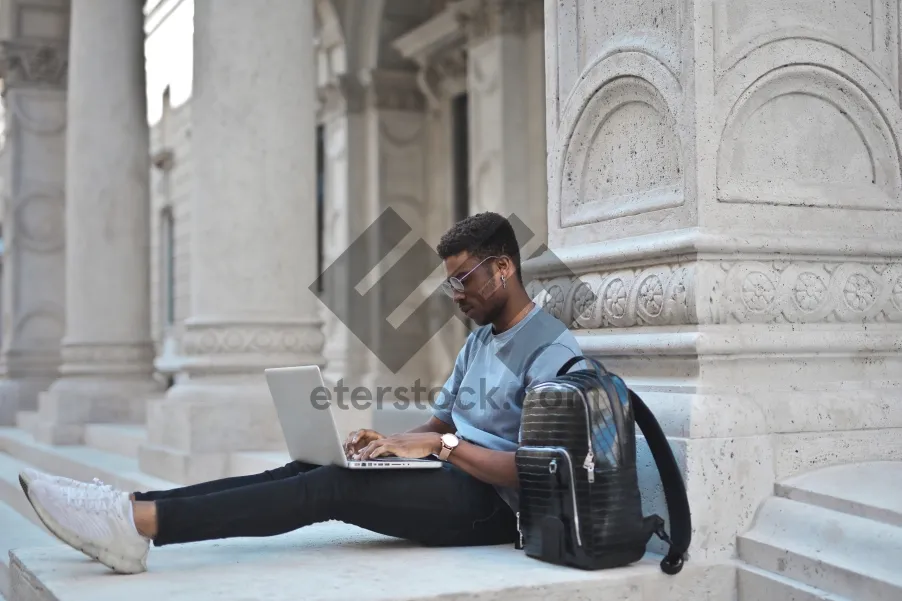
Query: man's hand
[[358, 439], [409, 446]]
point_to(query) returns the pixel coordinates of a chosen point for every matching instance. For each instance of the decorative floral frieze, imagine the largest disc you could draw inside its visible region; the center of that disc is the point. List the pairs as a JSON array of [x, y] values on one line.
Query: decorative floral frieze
[[808, 292], [770, 292], [657, 296], [252, 339]]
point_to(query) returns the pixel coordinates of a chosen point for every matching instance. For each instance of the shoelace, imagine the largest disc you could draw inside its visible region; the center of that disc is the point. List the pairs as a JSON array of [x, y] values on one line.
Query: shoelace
[[99, 484], [96, 502]]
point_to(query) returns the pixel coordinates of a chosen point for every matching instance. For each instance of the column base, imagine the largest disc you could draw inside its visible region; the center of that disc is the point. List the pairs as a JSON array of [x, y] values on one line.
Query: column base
[[194, 430], [70, 403], [20, 394], [182, 467], [747, 406]]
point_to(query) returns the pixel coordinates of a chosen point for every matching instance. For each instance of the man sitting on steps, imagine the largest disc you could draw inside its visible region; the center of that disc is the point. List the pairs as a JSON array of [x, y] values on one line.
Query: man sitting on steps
[[471, 500]]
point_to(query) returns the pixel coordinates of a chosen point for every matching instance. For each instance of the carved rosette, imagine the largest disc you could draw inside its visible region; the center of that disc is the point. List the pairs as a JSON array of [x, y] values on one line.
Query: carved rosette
[[802, 292], [27, 63], [654, 296], [772, 292], [248, 347], [80, 359]]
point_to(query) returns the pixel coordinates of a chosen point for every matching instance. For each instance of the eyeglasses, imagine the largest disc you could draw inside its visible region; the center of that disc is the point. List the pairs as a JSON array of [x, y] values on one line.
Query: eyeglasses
[[453, 284]]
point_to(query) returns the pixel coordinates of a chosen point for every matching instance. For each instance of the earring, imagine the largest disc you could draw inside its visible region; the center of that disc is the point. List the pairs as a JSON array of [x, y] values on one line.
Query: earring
[[503, 282]]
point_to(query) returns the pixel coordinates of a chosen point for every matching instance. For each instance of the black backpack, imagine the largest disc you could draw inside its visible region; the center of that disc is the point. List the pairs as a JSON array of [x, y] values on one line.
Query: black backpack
[[579, 491]]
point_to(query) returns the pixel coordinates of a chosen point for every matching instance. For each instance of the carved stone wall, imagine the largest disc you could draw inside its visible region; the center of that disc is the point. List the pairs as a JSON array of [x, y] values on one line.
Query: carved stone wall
[[726, 184]]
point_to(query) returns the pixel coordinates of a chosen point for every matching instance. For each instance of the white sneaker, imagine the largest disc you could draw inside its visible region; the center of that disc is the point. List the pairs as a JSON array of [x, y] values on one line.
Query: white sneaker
[[97, 521], [29, 475]]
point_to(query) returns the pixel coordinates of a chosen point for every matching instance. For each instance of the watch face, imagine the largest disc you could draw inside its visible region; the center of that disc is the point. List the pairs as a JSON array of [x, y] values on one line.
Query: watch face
[[449, 440]]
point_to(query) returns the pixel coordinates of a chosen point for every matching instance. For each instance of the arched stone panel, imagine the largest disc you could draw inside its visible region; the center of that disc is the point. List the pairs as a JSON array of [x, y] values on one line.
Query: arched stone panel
[[622, 153], [815, 127]]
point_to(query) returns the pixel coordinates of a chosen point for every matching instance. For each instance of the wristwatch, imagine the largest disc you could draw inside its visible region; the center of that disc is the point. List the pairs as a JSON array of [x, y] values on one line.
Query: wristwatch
[[449, 443]]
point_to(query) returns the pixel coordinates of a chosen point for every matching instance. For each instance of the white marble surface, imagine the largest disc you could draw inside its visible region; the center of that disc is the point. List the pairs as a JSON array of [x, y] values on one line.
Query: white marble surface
[[335, 561]]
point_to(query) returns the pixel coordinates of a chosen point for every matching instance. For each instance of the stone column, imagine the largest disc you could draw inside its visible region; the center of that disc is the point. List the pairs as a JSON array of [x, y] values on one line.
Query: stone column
[[253, 240], [344, 221], [730, 194], [505, 91], [397, 183], [34, 76], [107, 351]]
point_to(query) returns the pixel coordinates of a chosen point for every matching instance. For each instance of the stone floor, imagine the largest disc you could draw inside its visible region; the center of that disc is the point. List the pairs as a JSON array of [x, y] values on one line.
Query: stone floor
[[834, 534], [335, 561]]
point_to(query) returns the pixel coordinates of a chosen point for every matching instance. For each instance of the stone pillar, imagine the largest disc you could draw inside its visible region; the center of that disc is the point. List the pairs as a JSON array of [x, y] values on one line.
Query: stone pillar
[[397, 182], [34, 66], [732, 195], [347, 358], [253, 239], [107, 351], [505, 91]]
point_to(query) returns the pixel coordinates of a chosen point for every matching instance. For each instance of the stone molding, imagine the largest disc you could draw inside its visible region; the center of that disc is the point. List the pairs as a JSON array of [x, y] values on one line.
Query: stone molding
[[242, 348], [340, 95], [263, 338], [34, 63], [716, 292], [393, 91], [483, 19], [99, 358]]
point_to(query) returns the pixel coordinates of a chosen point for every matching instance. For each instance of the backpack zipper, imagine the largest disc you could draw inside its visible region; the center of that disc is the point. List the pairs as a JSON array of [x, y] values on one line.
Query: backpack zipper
[[519, 532], [572, 488], [589, 462]]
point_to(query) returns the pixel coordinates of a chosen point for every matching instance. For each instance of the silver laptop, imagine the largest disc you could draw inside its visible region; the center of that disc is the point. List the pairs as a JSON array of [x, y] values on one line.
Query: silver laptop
[[310, 429]]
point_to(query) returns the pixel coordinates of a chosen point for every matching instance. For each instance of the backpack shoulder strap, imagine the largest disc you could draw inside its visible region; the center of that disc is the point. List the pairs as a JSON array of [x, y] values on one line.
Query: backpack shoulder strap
[[674, 487]]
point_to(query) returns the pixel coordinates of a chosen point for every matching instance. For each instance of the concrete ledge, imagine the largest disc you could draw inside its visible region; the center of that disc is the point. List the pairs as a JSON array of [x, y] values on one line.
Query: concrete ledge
[[11, 493], [81, 463], [836, 552], [334, 561], [17, 532], [755, 584], [867, 490]]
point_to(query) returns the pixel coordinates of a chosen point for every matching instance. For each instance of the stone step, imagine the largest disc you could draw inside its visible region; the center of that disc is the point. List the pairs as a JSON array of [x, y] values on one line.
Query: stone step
[[121, 439], [867, 490], [760, 585], [79, 462], [11, 494], [835, 552], [16, 532], [334, 561], [27, 421]]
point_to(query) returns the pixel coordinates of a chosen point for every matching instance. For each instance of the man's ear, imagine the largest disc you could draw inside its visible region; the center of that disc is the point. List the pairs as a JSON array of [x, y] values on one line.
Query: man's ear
[[507, 268]]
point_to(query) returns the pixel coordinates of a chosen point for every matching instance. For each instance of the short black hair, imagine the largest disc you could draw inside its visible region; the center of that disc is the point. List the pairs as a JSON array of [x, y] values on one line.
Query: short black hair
[[482, 235]]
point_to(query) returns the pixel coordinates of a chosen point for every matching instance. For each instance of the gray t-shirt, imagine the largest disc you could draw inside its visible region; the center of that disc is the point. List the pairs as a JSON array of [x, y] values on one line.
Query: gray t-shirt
[[483, 397]]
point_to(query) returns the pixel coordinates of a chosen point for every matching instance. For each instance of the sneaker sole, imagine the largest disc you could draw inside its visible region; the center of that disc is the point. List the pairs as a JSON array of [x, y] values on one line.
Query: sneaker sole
[[115, 562]]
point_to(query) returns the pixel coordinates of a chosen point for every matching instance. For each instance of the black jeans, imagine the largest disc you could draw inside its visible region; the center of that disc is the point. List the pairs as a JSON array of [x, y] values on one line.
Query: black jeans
[[434, 507]]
